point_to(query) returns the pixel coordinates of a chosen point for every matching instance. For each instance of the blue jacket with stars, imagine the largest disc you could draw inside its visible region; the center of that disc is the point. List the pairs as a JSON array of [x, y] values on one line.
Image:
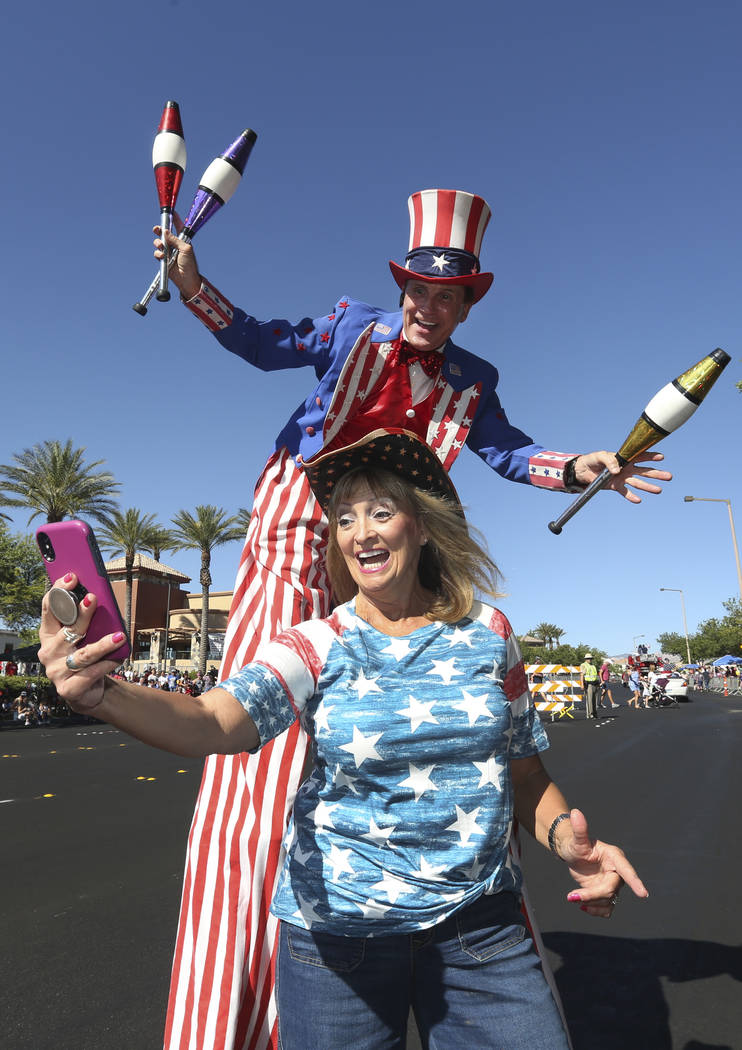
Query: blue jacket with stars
[[324, 344], [407, 815]]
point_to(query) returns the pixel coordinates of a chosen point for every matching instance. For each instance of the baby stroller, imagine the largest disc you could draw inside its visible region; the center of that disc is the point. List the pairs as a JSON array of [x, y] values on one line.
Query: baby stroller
[[658, 697]]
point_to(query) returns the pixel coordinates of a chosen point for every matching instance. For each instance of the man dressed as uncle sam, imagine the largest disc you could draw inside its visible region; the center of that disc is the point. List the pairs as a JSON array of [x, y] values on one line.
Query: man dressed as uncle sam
[[373, 369]]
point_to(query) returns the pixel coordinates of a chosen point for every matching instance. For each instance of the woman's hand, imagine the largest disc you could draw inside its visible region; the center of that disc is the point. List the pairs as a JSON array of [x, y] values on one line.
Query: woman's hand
[[599, 869], [588, 467], [81, 688]]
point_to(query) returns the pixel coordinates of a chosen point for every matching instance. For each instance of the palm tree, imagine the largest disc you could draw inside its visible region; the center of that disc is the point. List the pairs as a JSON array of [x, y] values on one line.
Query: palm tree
[[243, 518], [557, 634], [52, 479], [127, 532], [544, 631], [160, 539], [209, 528]]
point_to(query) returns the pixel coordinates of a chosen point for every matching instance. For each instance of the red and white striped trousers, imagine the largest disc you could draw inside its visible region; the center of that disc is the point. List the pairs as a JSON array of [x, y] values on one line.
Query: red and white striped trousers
[[221, 991]]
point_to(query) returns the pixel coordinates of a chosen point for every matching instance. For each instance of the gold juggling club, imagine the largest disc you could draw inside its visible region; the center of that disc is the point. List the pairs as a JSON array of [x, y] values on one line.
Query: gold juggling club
[[670, 407]]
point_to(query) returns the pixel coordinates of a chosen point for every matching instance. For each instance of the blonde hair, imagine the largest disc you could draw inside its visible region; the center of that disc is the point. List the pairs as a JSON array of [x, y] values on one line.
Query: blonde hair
[[453, 563]]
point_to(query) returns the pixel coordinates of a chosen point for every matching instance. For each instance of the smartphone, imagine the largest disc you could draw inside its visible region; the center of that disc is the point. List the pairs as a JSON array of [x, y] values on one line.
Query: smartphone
[[70, 546]]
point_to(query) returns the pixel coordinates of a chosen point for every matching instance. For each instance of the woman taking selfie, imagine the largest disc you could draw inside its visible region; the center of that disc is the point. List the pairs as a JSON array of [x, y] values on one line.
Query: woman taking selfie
[[397, 890]]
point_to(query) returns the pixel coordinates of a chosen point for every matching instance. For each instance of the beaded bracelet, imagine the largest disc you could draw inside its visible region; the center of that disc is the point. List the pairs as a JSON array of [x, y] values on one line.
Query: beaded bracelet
[[552, 832]]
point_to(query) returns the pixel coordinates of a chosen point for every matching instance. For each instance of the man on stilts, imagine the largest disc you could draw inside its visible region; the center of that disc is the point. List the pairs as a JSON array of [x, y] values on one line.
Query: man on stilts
[[373, 368]]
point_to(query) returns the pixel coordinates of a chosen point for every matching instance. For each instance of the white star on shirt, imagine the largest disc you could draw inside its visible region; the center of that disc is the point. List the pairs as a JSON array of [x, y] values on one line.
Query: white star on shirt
[[418, 713], [379, 835], [419, 781], [320, 716], [373, 910], [474, 706], [446, 669], [300, 857], [398, 648], [362, 747], [306, 912], [466, 824], [490, 772], [440, 262], [338, 859], [364, 685], [520, 746], [341, 780], [494, 675], [322, 815], [509, 731], [459, 637], [474, 871], [427, 871], [451, 898], [392, 886]]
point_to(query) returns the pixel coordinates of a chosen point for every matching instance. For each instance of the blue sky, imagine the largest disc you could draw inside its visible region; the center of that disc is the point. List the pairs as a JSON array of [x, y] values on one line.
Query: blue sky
[[605, 138]]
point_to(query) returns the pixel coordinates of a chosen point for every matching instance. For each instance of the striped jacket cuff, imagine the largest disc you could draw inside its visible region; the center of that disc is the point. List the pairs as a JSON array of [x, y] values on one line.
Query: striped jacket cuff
[[210, 307], [546, 470]]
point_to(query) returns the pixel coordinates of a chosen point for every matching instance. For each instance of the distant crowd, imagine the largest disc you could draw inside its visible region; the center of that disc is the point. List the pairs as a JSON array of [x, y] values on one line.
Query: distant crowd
[[171, 681], [33, 706], [36, 705], [698, 677], [22, 668]]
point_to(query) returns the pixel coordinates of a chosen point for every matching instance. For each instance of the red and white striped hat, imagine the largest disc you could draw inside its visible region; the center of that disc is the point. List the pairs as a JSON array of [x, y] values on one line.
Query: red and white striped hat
[[446, 230]]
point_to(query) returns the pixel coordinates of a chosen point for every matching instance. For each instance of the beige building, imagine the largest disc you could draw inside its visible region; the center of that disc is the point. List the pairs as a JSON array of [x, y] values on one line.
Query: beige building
[[166, 618]]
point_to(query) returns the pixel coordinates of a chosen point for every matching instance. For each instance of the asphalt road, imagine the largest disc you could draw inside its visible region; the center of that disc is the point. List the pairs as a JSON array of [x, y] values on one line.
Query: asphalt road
[[93, 829]]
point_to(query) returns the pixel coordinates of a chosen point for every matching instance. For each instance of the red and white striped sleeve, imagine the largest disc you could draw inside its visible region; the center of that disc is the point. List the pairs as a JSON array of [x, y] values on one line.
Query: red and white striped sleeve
[[546, 469], [211, 307], [275, 686]]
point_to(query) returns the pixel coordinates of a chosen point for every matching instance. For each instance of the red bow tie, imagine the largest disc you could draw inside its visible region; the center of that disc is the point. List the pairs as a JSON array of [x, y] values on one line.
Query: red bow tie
[[431, 361]]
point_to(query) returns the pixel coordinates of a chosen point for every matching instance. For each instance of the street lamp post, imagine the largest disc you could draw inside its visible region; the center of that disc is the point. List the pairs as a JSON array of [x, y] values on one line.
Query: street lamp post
[[635, 638], [685, 622], [167, 622], [706, 499]]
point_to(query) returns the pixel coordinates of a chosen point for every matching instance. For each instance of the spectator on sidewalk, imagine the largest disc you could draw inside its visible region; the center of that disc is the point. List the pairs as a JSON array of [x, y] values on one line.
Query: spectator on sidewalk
[[605, 690], [636, 686]]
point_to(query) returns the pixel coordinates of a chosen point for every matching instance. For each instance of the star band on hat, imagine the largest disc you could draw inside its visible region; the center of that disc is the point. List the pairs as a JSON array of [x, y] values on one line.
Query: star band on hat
[[396, 450], [446, 231]]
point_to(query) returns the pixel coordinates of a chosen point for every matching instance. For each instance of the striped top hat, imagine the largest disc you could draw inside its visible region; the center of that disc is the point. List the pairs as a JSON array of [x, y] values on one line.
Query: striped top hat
[[446, 230]]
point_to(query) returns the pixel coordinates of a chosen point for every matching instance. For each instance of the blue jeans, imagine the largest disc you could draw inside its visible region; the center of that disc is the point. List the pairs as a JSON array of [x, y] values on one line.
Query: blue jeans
[[473, 981]]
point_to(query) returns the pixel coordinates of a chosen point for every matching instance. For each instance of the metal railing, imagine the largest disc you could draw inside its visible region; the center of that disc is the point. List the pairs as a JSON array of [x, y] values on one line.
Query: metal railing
[[730, 685]]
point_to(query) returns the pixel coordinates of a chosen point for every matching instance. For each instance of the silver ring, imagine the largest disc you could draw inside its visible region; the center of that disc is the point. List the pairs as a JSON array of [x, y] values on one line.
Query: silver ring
[[614, 900], [71, 636], [71, 665]]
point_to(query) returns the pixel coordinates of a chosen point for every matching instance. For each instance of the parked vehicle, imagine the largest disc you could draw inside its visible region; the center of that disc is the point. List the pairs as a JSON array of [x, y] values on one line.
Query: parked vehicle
[[677, 686]]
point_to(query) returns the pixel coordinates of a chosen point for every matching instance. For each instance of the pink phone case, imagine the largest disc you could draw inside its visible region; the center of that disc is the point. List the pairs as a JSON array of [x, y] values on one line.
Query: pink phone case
[[70, 546]]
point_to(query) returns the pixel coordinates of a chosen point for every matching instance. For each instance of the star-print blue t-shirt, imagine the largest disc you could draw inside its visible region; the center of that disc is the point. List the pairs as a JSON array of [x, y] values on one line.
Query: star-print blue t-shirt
[[407, 815]]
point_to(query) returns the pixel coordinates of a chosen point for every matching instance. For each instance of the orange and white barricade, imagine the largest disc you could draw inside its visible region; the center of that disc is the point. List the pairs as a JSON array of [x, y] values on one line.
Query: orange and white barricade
[[555, 687]]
